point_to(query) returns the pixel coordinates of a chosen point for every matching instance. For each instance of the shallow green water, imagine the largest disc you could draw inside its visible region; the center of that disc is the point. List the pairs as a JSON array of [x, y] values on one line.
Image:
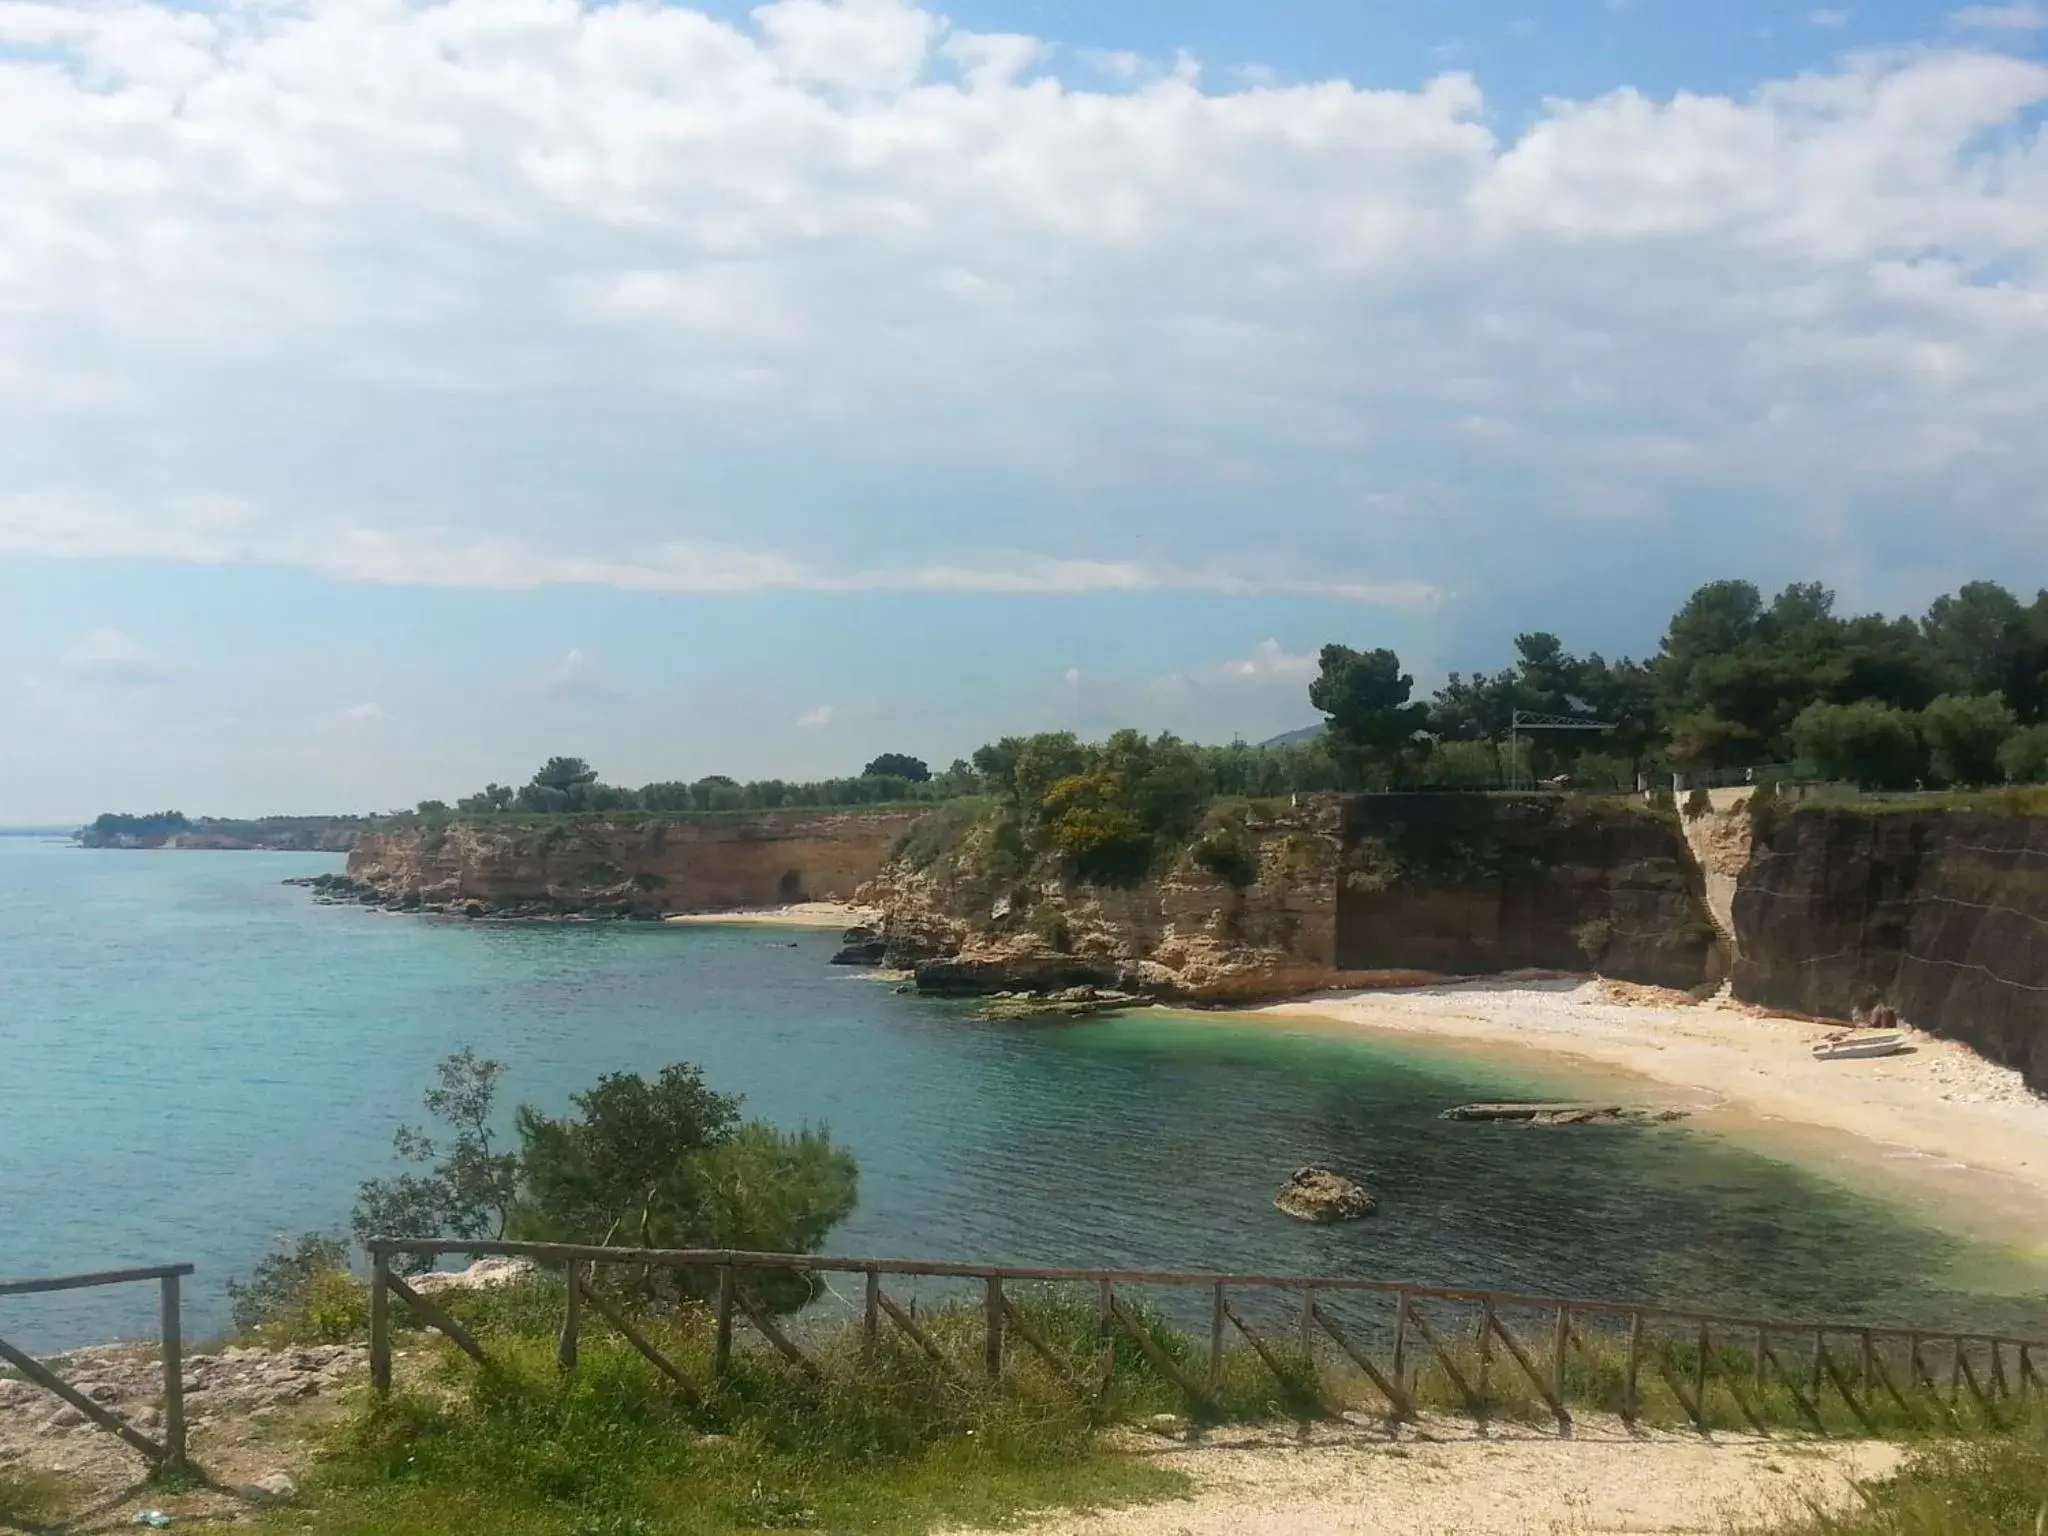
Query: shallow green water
[[197, 1058]]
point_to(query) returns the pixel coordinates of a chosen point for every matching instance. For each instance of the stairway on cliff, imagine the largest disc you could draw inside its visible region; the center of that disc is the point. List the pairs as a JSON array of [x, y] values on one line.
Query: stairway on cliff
[[1718, 844]]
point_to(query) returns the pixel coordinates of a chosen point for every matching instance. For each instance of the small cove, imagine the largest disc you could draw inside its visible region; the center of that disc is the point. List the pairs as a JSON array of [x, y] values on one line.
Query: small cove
[[200, 1059]]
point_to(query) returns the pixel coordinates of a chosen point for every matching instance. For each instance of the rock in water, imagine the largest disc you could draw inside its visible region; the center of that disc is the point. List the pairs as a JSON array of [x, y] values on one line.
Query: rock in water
[[1323, 1194]]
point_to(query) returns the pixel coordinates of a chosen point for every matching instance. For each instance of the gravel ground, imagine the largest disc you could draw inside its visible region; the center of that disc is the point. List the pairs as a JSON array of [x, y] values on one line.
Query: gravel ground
[[1448, 1479]]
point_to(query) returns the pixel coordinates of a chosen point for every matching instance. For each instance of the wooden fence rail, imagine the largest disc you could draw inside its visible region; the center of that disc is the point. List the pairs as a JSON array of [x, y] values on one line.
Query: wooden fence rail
[[1690, 1352], [167, 1455]]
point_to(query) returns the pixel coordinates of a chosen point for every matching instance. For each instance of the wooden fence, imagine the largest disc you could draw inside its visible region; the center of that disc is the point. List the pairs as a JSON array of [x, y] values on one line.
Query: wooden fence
[[1860, 1365], [170, 1453]]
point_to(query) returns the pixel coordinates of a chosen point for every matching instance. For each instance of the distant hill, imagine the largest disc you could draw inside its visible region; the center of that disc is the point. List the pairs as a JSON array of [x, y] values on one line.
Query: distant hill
[[1292, 738]]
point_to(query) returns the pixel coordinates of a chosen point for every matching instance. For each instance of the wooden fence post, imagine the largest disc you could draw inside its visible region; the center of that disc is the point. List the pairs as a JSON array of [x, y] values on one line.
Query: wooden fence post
[[871, 1316], [992, 1351], [728, 1287], [174, 1375], [1401, 1340], [1105, 1322], [1699, 1373], [1562, 1340], [572, 1320], [1629, 1394], [1487, 1323], [1216, 1334], [380, 1323]]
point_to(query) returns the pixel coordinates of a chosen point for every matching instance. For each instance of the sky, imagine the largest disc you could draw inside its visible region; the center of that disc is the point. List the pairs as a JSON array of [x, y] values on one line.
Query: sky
[[394, 393]]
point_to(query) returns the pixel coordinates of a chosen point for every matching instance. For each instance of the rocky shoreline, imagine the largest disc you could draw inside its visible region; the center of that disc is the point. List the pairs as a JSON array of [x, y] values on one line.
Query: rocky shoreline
[[345, 890]]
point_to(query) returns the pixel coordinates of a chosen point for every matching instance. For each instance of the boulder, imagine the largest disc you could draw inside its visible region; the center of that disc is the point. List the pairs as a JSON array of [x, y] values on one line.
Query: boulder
[[863, 952], [271, 1488], [1323, 1194], [483, 1275], [1018, 973]]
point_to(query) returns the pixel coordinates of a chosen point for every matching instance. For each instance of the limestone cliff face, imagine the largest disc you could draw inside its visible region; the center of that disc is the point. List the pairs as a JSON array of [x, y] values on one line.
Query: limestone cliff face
[[1478, 883], [1188, 934], [1942, 914], [1340, 893], [626, 866]]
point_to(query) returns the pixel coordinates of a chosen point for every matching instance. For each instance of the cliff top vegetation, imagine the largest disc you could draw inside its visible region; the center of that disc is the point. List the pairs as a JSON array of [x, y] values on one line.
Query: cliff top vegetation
[[1738, 684]]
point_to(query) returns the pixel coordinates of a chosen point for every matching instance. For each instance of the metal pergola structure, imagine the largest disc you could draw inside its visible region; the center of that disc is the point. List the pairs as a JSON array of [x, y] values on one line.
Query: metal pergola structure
[[1532, 720]]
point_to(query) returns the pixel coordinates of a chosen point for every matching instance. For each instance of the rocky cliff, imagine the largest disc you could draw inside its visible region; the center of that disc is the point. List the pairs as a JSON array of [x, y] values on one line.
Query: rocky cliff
[[1480, 883], [634, 866], [1320, 893], [1942, 914], [971, 918]]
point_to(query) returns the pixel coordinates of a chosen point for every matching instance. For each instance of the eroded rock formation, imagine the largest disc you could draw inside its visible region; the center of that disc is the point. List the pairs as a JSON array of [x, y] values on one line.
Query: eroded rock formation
[[1372, 891], [636, 866]]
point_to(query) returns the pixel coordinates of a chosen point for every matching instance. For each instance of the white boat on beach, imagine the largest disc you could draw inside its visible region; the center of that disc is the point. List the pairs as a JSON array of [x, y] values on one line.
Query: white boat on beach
[[1857, 1047]]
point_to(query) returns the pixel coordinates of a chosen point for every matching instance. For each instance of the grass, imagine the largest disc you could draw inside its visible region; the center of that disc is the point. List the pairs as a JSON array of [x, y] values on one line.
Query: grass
[[888, 1444], [29, 1499], [890, 1441], [1989, 1485], [1596, 1380], [2012, 800]]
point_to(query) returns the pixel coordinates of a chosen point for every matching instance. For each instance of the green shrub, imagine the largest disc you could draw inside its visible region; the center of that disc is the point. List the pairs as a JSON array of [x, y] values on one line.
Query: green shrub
[[1964, 734], [2024, 756], [1227, 850], [1867, 743], [1994, 1485], [302, 1294], [1592, 937], [1698, 804]]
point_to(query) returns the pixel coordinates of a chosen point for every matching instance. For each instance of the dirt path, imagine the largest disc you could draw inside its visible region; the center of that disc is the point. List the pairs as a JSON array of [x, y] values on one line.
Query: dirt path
[[1452, 1480]]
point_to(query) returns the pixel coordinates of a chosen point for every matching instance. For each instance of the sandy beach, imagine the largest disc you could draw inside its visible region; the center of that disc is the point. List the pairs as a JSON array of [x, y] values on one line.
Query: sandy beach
[[803, 914], [1959, 1136]]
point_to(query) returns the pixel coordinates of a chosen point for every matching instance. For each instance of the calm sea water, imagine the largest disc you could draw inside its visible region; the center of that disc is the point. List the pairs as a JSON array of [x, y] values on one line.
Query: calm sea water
[[196, 1059]]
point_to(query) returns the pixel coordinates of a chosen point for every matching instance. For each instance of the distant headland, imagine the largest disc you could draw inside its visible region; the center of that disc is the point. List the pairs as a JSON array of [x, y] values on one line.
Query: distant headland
[[173, 829]]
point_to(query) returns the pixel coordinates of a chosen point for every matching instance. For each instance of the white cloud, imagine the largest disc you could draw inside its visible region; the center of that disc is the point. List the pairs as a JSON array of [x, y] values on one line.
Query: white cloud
[[2021, 17], [543, 293], [1827, 18], [354, 718], [1270, 659], [815, 719], [108, 656], [58, 528], [576, 676]]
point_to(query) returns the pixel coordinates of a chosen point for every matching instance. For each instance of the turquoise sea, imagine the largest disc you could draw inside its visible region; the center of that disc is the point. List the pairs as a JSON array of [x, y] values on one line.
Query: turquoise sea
[[196, 1059]]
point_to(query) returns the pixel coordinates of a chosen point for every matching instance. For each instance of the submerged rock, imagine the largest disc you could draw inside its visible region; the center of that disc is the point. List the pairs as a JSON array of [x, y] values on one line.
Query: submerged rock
[[1562, 1114], [1323, 1195], [1070, 1003]]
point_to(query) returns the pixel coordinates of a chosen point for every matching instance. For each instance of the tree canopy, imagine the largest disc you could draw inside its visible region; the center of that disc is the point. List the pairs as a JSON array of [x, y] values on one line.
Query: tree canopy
[[898, 765], [662, 1164], [1736, 680]]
